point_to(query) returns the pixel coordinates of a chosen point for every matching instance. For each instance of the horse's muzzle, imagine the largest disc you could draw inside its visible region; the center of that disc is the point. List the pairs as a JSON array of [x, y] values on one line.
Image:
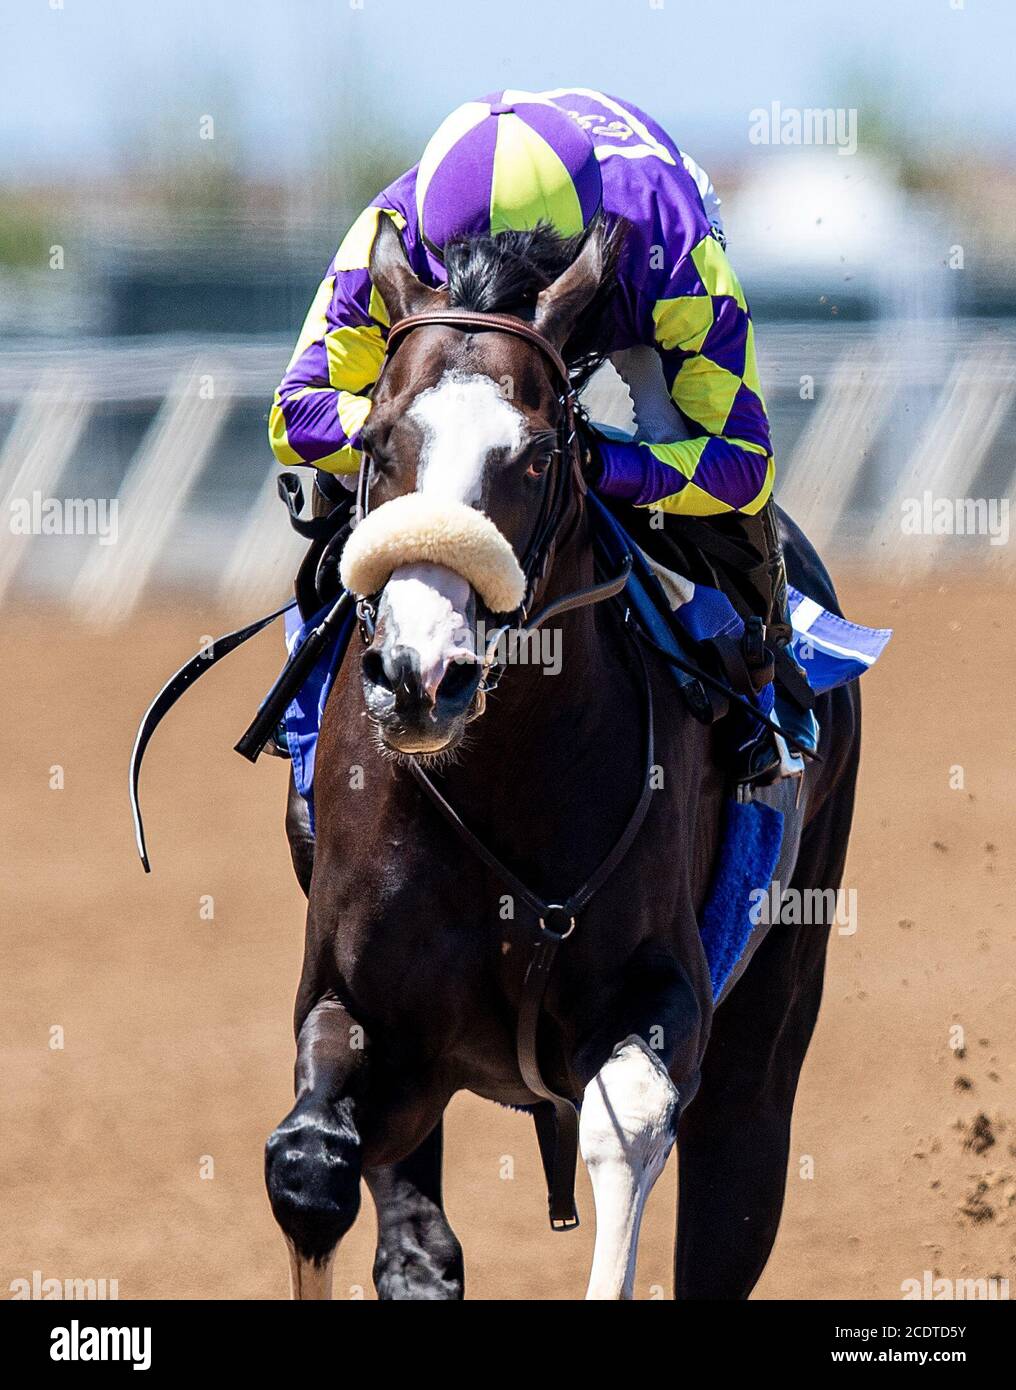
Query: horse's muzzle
[[421, 673], [410, 718]]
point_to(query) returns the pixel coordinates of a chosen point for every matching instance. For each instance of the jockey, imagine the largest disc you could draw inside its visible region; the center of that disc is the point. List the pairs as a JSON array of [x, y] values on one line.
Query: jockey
[[519, 159]]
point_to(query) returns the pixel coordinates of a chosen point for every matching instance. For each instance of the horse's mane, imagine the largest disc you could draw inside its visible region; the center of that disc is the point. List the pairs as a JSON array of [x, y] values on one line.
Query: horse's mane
[[505, 272]]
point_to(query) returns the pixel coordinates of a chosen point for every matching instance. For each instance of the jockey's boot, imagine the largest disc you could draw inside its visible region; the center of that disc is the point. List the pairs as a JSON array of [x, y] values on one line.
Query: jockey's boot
[[764, 761], [278, 745], [758, 763], [756, 758], [793, 695], [767, 757], [797, 720]]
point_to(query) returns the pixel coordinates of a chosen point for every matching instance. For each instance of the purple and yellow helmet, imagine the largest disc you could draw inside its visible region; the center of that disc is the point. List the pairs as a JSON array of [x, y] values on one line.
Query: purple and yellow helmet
[[508, 162]]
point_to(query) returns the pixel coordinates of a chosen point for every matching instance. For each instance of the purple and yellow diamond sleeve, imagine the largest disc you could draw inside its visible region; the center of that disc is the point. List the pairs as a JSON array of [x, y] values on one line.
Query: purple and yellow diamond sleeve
[[321, 405], [703, 332]]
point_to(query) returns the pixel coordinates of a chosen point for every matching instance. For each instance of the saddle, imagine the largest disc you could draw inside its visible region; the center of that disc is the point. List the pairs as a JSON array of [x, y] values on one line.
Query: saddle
[[728, 554]]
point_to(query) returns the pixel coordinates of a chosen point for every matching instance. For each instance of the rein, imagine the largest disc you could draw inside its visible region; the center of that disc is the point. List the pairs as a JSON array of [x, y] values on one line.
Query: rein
[[556, 919]]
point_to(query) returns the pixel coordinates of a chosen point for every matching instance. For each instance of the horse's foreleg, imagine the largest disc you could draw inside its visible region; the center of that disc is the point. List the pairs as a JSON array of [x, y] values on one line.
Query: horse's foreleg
[[313, 1158], [300, 836], [418, 1254], [629, 1117]]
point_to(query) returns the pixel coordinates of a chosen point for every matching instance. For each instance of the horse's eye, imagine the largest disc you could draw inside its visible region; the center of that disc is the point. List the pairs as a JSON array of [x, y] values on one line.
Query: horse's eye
[[539, 466]]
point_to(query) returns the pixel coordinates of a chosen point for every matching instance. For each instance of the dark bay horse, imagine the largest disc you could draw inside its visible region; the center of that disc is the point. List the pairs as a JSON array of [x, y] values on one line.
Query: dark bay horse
[[415, 953]]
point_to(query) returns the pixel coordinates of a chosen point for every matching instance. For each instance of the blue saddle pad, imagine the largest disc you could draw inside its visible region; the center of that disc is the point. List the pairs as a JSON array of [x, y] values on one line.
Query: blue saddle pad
[[749, 852], [302, 720]]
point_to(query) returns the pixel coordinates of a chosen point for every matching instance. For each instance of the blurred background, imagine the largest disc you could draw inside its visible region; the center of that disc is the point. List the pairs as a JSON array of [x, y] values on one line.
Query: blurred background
[[174, 180]]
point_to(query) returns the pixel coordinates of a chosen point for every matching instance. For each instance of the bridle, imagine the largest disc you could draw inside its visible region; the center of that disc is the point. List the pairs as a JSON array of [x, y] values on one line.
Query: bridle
[[568, 451], [566, 479], [554, 919]]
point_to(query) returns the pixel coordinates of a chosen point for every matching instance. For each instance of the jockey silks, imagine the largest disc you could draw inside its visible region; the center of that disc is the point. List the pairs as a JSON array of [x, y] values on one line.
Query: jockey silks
[[677, 293]]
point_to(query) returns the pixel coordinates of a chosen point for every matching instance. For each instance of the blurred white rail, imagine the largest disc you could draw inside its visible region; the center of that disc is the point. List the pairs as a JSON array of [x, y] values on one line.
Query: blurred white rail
[[841, 480], [45, 433], [265, 557], [169, 462], [955, 442], [825, 467]]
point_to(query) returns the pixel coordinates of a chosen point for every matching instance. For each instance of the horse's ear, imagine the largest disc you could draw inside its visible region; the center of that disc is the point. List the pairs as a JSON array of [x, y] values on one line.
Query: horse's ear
[[560, 305], [392, 276]]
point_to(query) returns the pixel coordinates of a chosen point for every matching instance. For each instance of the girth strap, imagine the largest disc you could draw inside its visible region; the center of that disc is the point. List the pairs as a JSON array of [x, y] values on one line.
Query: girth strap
[[557, 1126]]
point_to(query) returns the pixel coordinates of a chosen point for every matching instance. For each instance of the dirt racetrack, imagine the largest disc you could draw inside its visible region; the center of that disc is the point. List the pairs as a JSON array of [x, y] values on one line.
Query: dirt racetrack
[[176, 1029]]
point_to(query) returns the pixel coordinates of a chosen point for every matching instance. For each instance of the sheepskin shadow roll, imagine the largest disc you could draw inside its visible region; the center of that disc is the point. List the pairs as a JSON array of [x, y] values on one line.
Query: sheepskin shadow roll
[[416, 529]]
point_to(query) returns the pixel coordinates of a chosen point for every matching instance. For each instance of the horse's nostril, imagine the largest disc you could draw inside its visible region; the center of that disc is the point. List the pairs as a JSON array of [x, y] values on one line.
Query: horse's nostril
[[392, 681], [459, 682], [373, 667]]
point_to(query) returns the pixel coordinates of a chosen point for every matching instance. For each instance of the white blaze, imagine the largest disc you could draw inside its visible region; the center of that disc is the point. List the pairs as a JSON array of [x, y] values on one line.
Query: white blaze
[[464, 419]]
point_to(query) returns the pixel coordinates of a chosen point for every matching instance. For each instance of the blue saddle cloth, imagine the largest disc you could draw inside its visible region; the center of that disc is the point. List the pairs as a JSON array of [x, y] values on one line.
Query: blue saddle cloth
[[831, 650]]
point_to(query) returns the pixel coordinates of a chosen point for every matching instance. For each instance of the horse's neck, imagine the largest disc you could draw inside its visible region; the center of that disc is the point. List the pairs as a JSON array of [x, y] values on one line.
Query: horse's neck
[[565, 729], [534, 689]]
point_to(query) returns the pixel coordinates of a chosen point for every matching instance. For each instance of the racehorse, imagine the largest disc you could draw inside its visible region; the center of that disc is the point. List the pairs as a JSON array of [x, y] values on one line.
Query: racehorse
[[416, 957]]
